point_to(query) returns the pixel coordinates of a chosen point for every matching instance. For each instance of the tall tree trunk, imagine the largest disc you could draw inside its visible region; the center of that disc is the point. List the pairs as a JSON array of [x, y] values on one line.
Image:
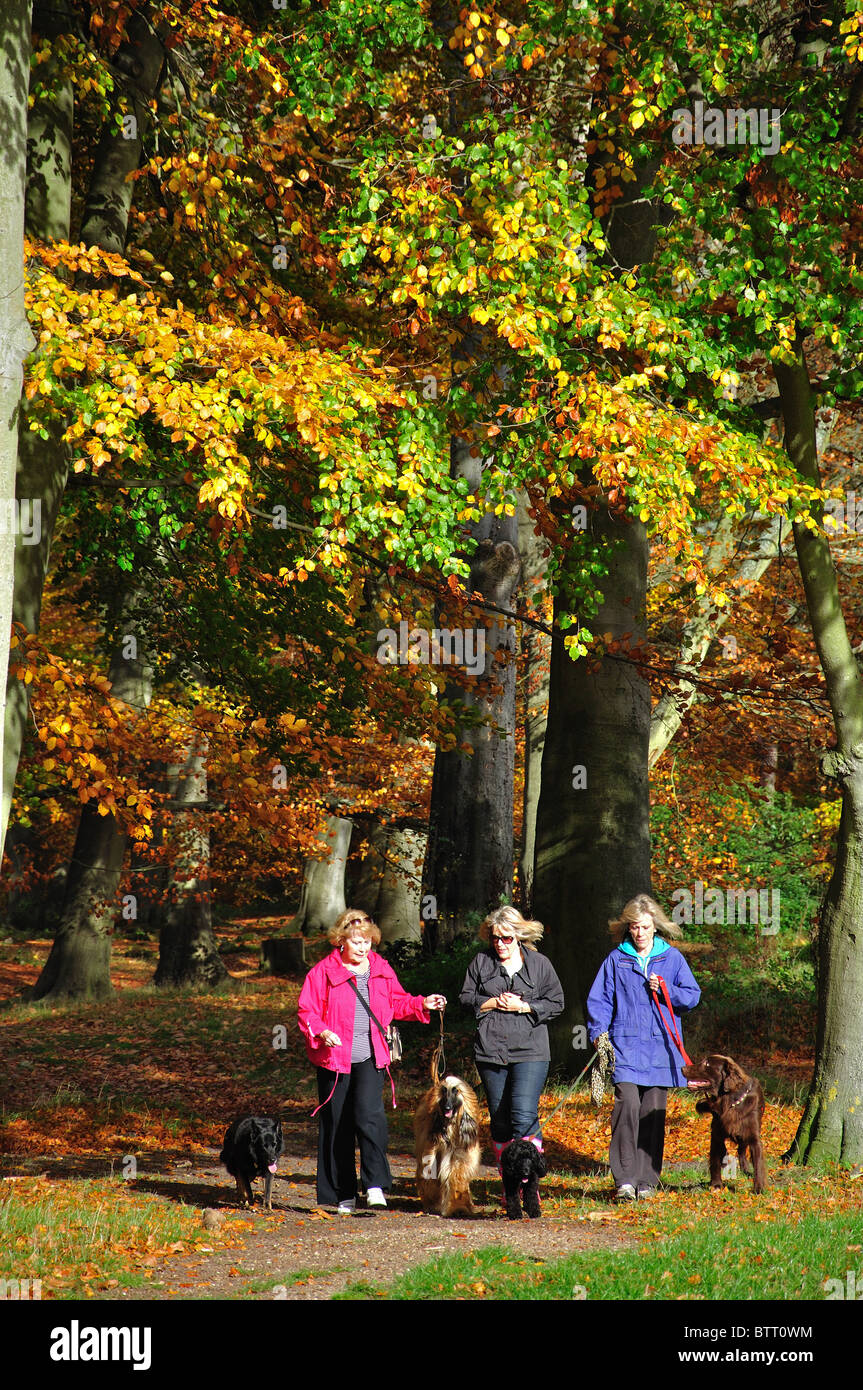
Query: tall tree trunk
[[42, 465], [593, 820], [469, 859], [398, 906], [187, 947], [78, 965], [16, 340], [322, 898], [592, 832], [536, 652], [831, 1129]]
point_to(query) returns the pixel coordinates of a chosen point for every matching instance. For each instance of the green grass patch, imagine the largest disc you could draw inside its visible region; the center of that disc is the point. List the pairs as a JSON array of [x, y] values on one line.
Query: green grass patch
[[727, 1247], [82, 1236]]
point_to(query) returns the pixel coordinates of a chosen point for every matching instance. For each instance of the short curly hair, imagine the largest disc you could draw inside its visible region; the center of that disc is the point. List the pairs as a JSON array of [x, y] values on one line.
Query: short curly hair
[[527, 933], [351, 920]]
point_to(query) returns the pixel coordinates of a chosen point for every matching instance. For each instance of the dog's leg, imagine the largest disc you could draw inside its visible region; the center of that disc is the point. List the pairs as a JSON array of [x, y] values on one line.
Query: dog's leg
[[531, 1197], [717, 1153], [268, 1192], [241, 1191], [759, 1173], [745, 1165]]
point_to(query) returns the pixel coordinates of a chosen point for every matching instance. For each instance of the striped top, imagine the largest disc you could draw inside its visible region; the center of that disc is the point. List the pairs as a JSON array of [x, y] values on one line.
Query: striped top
[[361, 1048]]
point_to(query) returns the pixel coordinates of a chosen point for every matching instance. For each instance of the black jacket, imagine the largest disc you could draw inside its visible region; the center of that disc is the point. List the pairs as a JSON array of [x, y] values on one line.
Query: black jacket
[[505, 1037]]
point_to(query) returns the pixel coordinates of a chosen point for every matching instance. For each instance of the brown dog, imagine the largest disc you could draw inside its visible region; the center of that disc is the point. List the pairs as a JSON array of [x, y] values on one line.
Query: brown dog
[[736, 1102], [446, 1133]]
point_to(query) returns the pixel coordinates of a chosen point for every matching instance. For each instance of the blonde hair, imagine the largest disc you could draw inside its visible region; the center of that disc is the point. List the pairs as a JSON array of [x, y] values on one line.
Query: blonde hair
[[639, 906], [526, 933], [351, 920]]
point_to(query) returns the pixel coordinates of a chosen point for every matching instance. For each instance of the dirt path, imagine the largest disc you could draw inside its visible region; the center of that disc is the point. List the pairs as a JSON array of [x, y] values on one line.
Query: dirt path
[[299, 1252]]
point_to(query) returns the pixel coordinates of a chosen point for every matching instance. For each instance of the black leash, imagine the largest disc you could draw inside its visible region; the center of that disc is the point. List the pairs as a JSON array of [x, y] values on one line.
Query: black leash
[[540, 1123]]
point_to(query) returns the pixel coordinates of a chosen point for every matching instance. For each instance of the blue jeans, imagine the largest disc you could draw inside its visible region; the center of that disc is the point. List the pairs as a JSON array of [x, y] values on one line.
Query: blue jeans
[[513, 1093]]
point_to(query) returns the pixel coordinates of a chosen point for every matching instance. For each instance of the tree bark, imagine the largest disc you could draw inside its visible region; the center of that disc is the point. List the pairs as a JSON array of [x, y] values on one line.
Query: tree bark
[[593, 831], [187, 947], [398, 907], [831, 1129], [536, 654], [42, 464], [16, 340], [78, 965], [322, 898]]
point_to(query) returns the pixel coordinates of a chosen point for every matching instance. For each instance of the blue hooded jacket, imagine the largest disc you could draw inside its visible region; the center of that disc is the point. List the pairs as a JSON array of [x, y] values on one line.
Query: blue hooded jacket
[[621, 1003]]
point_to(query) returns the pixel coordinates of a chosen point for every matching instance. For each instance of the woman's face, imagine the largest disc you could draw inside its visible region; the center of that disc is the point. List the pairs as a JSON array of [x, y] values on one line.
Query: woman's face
[[356, 947], [642, 932], [504, 943]]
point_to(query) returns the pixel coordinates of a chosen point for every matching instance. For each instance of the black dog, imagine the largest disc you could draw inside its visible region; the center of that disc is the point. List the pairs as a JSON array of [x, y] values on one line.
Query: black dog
[[522, 1165], [251, 1150]]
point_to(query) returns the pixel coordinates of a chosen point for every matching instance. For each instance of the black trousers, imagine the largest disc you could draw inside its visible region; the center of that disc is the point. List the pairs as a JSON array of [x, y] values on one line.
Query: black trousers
[[354, 1113], [637, 1134]]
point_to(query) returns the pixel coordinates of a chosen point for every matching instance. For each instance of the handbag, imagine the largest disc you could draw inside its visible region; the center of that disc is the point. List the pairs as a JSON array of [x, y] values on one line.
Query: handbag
[[391, 1036]]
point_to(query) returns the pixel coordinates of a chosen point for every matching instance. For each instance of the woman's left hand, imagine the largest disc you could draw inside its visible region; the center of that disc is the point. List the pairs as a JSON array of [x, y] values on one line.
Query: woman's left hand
[[653, 981], [512, 1003], [434, 1001]]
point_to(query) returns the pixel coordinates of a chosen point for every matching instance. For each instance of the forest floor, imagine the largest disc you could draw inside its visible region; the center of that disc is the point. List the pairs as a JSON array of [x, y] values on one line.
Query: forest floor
[[112, 1116]]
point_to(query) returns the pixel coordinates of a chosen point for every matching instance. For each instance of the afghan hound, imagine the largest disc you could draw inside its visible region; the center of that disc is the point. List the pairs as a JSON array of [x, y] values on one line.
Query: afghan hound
[[446, 1143]]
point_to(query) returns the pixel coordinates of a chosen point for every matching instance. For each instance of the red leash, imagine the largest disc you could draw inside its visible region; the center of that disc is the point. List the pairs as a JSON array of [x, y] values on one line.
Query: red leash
[[671, 1027]]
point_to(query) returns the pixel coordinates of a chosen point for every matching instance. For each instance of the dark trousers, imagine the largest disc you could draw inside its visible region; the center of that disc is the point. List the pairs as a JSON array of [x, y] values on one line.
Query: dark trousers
[[637, 1134], [513, 1093], [354, 1113]]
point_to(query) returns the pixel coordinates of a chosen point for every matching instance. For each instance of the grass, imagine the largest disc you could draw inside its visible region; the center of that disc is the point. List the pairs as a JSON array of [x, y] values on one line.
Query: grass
[[690, 1246], [82, 1236]]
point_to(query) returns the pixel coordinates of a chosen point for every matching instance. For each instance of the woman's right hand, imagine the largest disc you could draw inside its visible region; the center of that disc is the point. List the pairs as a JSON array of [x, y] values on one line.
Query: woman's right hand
[[330, 1038]]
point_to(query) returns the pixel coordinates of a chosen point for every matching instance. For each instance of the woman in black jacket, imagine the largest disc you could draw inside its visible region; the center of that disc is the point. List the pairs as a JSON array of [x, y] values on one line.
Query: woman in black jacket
[[513, 991]]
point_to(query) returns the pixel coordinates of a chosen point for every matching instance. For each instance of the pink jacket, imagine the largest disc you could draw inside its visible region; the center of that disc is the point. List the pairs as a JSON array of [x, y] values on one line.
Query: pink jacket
[[328, 1000]]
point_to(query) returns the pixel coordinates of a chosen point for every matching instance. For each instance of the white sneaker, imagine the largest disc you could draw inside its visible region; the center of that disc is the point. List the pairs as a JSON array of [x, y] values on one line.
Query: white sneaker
[[626, 1192], [375, 1197], [347, 1207]]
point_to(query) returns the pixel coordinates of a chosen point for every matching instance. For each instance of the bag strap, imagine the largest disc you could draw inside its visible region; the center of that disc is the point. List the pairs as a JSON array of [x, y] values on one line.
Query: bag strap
[[354, 986], [381, 1030]]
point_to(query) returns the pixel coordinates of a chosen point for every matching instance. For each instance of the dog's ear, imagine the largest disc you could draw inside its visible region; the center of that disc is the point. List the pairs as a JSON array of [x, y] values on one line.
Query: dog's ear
[[468, 1129], [733, 1076]]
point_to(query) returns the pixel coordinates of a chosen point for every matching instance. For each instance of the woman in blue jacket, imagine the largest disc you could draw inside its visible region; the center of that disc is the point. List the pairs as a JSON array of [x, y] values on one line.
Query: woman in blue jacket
[[623, 1003]]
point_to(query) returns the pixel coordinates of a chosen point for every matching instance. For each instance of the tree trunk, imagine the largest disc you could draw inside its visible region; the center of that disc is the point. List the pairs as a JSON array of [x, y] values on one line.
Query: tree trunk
[[536, 651], [16, 340], [469, 860], [42, 465], [593, 832], [398, 908], [105, 222], [322, 898], [78, 966], [187, 947], [831, 1129]]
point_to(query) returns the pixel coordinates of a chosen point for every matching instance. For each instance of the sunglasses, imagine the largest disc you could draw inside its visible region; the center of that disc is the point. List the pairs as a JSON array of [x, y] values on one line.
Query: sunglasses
[[504, 940], [359, 922]]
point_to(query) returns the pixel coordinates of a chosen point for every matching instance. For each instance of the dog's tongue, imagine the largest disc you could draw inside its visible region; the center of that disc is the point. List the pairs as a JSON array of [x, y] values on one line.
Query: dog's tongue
[[273, 1167], [696, 1085]]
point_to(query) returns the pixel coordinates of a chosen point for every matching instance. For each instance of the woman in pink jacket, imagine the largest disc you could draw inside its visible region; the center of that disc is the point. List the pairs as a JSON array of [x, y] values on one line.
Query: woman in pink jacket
[[350, 1052]]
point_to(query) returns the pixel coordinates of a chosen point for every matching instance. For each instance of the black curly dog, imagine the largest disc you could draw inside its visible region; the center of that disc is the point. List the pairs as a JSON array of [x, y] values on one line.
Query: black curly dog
[[522, 1165], [251, 1150]]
